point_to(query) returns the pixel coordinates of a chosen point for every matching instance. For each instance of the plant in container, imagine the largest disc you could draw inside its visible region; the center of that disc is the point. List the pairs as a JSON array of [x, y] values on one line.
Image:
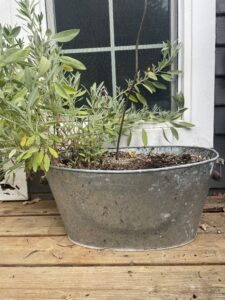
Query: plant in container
[[121, 198]]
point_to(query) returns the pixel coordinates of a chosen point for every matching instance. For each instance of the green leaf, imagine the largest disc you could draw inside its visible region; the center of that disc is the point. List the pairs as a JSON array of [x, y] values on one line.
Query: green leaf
[[137, 88], [60, 91], [30, 141], [133, 98], [174, 133], [28, 78], [159, 85], [46, 162], [80, 93], [40, 157], [20, 96], [165, 136], [141, 99], [15, 32], [14, 56], [175, 72], [37, 160], [35, 164], [66, 36], [181, 124], [48, 32], [181, 110], [149, 86], [44, 65], [67, 68], [167, 77], [179, 99], [69, 89], [12, 153], [144, 137], [19, 75], [76, 64], [129, 139], [53, 152], [23, 141], [29, 153], [152, 75], [33, 97]]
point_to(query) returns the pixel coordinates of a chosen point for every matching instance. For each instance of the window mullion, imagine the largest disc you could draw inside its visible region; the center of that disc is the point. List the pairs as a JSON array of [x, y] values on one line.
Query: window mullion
[[112, 45], [51, 20]]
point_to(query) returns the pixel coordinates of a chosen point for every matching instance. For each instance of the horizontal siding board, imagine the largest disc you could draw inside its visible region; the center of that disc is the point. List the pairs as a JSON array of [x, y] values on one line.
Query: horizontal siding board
[[219, 145], [220, 61], [220, 91], [219, 129], [220, 6], [220, 120], [220, 30]]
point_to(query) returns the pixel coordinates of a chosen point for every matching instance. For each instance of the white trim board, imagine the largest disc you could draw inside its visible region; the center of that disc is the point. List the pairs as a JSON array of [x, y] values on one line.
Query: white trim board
[[197, 29], [16, 189]]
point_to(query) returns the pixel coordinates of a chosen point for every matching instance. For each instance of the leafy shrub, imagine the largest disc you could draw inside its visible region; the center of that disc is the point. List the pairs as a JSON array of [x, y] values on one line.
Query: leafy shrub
[[40, 118]]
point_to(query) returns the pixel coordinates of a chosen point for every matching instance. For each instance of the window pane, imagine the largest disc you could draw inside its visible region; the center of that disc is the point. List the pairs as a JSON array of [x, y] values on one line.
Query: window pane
[[125, 70], [98, 68], [127, 18], [90, 16], [93, 19]]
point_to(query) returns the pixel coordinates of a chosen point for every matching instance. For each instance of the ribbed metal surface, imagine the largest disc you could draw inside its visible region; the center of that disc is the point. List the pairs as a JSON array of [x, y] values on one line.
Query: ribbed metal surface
[[134, 210]]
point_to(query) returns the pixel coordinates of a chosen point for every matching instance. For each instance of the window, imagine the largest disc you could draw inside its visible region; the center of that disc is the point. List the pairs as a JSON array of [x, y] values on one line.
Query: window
[[196, 30], [107, 39]]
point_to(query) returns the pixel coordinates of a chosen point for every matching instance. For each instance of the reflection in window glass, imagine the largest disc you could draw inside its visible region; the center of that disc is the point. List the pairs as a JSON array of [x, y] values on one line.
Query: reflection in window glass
[[106, 43], [90, 16], [129, 13], [98, 68]]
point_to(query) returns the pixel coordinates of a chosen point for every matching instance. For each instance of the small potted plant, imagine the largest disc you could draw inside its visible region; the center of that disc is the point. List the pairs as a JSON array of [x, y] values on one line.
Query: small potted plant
[[122, 198]]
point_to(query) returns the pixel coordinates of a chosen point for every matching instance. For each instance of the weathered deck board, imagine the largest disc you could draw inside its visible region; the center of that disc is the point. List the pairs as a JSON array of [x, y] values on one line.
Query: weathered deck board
[[37, 261], [31, 226], [42, 251], [52, 225], [48, 207], [159, 282], [45, 207]]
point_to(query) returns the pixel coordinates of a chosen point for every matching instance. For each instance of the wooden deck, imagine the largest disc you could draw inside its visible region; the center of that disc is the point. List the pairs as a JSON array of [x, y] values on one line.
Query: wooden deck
[[37, 261]]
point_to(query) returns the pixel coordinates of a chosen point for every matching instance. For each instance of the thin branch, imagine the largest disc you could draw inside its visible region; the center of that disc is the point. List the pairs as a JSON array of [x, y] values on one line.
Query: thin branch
[[135, 77]]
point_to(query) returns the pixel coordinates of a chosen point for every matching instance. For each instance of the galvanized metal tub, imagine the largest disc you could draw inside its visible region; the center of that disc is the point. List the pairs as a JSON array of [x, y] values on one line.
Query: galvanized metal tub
[[134, 210]]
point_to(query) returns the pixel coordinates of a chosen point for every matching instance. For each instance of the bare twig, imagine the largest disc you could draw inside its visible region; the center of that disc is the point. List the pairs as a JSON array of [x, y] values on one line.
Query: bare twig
[[32, 252], [214, 210], [135, 76]]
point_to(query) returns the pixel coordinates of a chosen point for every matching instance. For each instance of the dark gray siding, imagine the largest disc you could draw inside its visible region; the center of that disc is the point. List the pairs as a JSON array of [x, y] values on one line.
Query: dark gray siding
[[219, 136], [220, 6]]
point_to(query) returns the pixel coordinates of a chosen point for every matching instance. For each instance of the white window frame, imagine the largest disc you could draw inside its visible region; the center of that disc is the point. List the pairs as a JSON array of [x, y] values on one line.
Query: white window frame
[[197, 32], [197, 27]]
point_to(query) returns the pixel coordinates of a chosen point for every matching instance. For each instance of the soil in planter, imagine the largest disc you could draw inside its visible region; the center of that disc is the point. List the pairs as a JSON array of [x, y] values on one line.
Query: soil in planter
[[134, 161]]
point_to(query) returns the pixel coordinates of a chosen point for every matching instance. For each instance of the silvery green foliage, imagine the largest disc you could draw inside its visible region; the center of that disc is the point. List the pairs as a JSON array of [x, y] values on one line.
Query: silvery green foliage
[[34, 90], [46, 114]]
